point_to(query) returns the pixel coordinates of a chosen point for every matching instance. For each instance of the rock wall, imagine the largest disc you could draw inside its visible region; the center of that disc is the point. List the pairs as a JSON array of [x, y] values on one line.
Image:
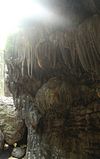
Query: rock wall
[[62, 116], [64, 130]]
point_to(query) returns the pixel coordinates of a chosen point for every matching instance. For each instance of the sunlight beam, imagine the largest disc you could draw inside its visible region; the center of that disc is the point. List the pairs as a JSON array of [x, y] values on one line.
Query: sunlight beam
[[12, 12]]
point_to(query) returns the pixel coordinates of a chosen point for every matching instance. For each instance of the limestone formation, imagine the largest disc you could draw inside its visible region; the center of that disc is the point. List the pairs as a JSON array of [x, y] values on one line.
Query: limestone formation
[[54, 77]]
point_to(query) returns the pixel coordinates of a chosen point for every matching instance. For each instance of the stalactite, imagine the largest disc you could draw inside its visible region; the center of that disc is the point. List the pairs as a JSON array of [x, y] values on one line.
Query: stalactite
[[40, 47]]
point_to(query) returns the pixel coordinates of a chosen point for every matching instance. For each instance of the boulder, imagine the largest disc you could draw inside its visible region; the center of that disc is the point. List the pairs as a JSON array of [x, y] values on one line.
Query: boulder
[[53, 93], [18, 152], [11, 126], [58, 92]]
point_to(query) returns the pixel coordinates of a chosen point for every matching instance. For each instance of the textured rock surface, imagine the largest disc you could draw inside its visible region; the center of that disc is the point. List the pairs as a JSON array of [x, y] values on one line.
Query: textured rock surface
[[54, 76], [18, 152], [56, 130], [63, 119], [11, 127]]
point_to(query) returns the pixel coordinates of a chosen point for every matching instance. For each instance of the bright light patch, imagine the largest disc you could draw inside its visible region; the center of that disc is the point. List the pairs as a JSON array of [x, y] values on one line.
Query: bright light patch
[[12, 12]]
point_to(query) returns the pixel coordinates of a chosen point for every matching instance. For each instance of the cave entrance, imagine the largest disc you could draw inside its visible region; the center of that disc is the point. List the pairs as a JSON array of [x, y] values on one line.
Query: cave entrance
[[4, 91], [2, 76]]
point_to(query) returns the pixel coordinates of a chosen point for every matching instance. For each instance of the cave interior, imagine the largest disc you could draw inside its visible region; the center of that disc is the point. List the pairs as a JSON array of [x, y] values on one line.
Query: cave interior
[[53, 74]]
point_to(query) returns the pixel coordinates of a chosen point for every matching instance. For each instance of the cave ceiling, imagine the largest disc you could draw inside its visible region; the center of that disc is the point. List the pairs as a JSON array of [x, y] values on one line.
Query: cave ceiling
[[69, 47]]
